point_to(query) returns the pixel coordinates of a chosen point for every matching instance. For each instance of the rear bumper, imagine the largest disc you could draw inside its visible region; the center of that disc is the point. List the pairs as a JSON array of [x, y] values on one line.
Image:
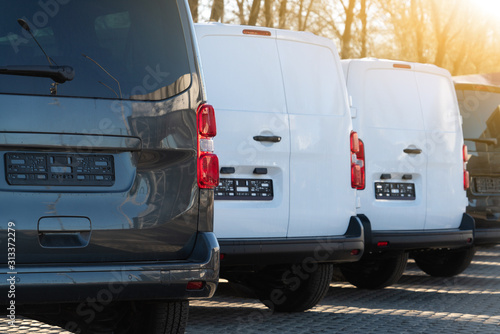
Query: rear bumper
[[487, 232], [241, 252], [463, 236], [118, 281]]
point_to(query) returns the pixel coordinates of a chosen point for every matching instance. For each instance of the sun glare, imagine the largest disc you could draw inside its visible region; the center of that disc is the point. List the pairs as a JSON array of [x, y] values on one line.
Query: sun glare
[[491, 7]]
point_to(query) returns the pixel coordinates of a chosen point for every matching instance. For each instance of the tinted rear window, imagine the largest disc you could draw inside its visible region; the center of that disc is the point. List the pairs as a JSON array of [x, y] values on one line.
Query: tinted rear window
[[480, 109], [118, 49]]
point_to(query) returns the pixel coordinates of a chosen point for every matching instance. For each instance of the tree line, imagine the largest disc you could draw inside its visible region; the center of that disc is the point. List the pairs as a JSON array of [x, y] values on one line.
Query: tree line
[[455, 34]]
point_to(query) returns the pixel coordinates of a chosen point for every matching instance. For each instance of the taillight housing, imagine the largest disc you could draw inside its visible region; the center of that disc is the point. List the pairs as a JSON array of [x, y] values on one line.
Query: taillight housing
[[208, 162], [465, 158], [357, 162]]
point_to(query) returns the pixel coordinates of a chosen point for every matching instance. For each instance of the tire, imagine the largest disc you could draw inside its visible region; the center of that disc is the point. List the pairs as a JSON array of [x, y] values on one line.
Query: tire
[[292, 289], [444, 263], [140, 317], [375, 272], [164, 318]]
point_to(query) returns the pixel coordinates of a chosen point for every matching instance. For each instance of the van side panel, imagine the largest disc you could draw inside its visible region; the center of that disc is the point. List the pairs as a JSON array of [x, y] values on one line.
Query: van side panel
[[446, 198], [248, 105], [321, 197]]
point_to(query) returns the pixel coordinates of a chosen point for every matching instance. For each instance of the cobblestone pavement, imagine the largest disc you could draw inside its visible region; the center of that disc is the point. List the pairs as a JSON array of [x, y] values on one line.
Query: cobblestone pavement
[[468, 303]]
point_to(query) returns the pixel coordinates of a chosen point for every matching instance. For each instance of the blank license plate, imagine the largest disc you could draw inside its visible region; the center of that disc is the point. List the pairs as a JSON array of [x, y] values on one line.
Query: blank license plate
[[487, 184]]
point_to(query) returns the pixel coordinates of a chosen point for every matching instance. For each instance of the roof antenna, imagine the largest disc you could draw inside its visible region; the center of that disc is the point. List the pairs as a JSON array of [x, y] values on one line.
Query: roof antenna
[[26, 27]]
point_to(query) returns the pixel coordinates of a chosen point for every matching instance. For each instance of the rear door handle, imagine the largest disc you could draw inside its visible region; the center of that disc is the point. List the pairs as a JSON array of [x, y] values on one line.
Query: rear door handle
[[272, 139], [412, 150]]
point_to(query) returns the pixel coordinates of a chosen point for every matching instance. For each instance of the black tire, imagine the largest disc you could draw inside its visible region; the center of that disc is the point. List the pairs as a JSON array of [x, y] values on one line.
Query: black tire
[[292, 289], [142, 317], [163, 318], [444, 263], [375, 272]]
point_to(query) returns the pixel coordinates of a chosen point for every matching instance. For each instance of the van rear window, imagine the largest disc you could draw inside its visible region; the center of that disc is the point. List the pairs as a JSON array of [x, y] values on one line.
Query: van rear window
[[480, 111], [118, 49]]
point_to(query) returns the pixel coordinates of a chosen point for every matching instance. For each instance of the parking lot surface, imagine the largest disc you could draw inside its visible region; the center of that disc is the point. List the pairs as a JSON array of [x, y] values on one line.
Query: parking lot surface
[[418, 303]]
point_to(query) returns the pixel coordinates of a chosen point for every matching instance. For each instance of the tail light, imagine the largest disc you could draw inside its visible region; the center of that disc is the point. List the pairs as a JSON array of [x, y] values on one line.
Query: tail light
[[208, 163], [357, 162], [361, 163], [465, 158]]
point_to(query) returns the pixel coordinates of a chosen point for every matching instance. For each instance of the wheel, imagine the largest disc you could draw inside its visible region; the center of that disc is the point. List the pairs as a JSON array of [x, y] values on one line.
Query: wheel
[[292, 289], [444, 263], [142, 317], [375, 272], [163, 318]]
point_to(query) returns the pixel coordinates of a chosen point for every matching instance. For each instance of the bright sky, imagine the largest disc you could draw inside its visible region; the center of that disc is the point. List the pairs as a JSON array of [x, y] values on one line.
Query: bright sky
[[489, 6]]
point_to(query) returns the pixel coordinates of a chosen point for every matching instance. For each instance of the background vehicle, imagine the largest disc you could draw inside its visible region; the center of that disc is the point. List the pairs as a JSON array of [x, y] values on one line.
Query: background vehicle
[[407, 115], [285, 205], [480, 109], [107, 165]]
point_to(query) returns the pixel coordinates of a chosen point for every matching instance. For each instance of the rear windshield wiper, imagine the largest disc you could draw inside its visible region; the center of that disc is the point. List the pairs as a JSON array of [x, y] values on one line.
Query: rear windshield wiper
[[60, 74]]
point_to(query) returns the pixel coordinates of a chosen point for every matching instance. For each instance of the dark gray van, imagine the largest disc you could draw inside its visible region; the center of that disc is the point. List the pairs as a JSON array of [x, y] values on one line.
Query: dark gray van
[[107, 165], [479, 101]]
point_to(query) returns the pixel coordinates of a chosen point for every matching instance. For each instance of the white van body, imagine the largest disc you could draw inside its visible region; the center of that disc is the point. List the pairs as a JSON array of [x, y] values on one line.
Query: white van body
[[407, 115], [283, 145]]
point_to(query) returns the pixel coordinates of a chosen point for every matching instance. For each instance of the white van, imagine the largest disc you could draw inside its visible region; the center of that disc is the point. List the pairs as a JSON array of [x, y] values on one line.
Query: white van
[[285, 208], [408, 117]]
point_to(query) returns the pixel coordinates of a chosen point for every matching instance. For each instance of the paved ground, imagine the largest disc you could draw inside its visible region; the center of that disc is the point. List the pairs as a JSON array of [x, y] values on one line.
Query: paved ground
[[468, 303]]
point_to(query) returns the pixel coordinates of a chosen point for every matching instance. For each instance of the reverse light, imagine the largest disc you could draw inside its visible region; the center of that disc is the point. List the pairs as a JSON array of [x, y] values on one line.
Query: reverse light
[[208, 162]]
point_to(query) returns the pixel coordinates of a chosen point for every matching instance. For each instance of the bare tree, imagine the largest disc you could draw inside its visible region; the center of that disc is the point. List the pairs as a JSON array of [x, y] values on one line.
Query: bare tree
[[364, 23], [217, 10], [254, 12], [268, 13], [282, 14], [193, 6], [347, 35]]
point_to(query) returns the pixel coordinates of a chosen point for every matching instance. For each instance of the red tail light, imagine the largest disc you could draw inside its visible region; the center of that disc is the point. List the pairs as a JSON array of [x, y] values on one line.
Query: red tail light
[[465, 158], [208, 171], [206, 121], [208, 163], [361, 163], [357, 162], [354, 142]]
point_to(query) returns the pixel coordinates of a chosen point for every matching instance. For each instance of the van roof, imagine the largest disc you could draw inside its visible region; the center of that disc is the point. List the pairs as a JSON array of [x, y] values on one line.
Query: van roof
[[372, 63], [215, 28]]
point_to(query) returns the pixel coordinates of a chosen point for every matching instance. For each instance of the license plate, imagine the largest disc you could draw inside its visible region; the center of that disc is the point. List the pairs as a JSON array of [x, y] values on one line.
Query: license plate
[[395, 191], [245, 189], [489, 185], [47, 169]]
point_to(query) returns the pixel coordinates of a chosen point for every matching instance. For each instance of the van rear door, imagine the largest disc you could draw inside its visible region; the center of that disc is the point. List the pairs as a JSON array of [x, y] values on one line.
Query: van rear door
[[254, 142], [102, 167], [321, 198], [445, 192], [387, 103]]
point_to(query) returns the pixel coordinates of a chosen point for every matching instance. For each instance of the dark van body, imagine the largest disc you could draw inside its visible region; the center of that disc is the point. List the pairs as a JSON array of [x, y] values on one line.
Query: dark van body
[[480, 109], [99, 158]]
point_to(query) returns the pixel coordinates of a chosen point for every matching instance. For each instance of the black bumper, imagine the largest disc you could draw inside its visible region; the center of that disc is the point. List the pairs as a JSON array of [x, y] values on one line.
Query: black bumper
[[487, 232], [378, 241], [118, 281], [346, 248]]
